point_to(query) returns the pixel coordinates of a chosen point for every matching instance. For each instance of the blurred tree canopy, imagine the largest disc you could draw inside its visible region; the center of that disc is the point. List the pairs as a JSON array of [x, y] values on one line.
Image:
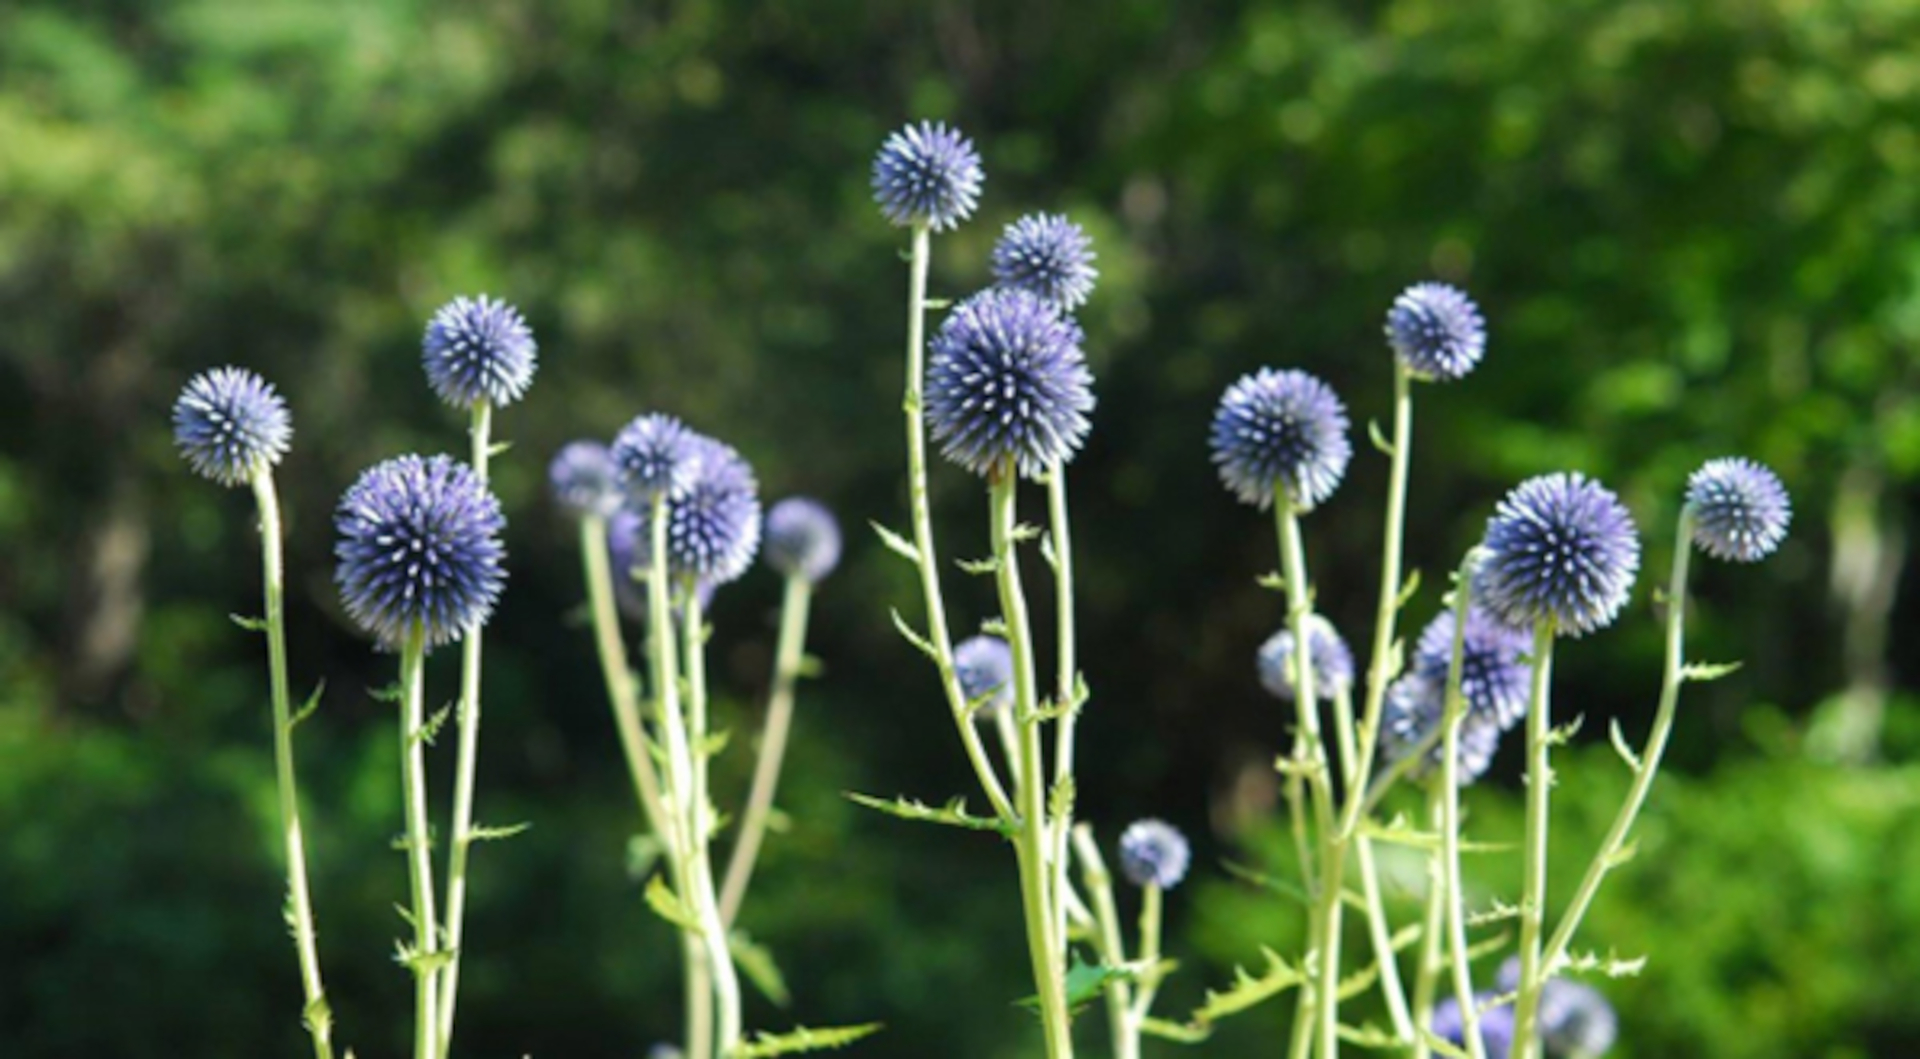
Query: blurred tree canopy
[[1692, 227]]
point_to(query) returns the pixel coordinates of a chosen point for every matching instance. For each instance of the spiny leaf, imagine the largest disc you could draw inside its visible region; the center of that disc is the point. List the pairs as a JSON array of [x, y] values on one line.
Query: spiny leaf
[[1249, 989], [421, 963], [1060, 799], [1500, 912], [1356, 983], [1178, 1032], [1612, 966], [756, 962], [994, 627], [1084, 983], [953, 814], [306, 710], [979, 567], [1620, 745], [667, 905], [434, 722], [896, 544], [251, 624], [483, 833], [391, 693], [1702, 672], [802, 1039], [1025, 531], [914, 638], [1562, 734]]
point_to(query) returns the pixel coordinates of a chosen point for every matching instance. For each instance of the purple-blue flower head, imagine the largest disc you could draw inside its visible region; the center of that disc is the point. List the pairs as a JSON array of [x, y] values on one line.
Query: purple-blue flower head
[[1412, 711], [1740, 509], [1331, 659], [803, 539], [584, 479], [1047, 255], [1496, 1025], [657, 456], [927, 174], [1007, 382], [231, 425], [1437, 331], [1561, 548], [1281, 430], [713, 530], [419, 547], [1494, 672], [1153, 852], [984, 665], [478, 349], [627, 546], [1575, 1018]]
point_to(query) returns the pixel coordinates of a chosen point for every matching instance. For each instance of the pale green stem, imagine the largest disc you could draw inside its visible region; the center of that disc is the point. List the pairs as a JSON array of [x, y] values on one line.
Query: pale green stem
[[1031, 841], [1379, 929], [1453, 714], [726, 980], [1009, 734], [318, 1020], [787, 657], [1122, 1024], [1060, 532], [1533, 895], [1671, 679], [413, 783], [468, 720], [1150, 898], [1426, 977]]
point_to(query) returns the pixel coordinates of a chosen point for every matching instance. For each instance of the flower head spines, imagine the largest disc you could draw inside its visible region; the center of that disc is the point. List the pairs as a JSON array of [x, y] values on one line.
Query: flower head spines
[[927, 174], [1560, 548], [1494, 671], [984, 666], [1047, 255], [1436, 331], [478, 349], [230, 425], [803, 539], [1331, 659], [419, 547], [1740, 509], [1007, 381], [1281, 430], [713, 529], [584, 479], [1153, 852], [1412, 711], [656, 456]]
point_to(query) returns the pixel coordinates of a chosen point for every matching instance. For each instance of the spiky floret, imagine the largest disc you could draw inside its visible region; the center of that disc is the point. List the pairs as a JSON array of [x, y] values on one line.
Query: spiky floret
[[927, 174], [584, 479], [478, 349], [1560, 548], [984, 665], [1047, 255], [1437, 331], [1494, 672], [230, 425], [1331, 659], [1740, 509], [1412, 711], [803, 538], [656, 455], [1007, 381], [419, 546], [1154, 852], [1281, 430], [713, 529]]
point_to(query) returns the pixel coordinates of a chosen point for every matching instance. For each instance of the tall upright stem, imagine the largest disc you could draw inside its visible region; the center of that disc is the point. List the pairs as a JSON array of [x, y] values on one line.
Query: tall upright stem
[[1060, 532], [1426, 976], [773, 744], [1123, 1025], [413, 781], [1533, 896], [618, 674], [726, 980], [1453, 714], [318, 1020]]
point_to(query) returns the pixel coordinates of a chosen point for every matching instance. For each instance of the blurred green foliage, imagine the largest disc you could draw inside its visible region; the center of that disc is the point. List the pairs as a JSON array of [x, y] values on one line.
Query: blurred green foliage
[[1692, 226]]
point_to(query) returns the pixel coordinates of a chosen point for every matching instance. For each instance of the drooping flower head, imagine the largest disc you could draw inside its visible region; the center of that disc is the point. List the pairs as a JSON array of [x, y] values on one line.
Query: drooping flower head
[[584, 480], [1560, 548], [1496, 1025], [1047, 255], [927, 174], [478, 349], [713, 530], [419, 547], [1494, 672], [1412, 711], [1007, 381], [1281, 430], [656, 456], [984, 665], [1740, 509], [1437, 331], [1331, 659], [1154, 852], [1575, 1018], [231, 425], [803, 538]]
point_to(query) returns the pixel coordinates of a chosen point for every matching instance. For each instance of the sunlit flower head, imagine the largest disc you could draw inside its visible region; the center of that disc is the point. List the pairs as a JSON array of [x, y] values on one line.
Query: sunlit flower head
[[1437, 331], [231, 425], [1494, 672], [478, 349], [1153, 852], [656, 455], [1006, 381], [1331, 659], [713, 529], [1560, 548], [1047, 255], [1740, 509], [1279, 430], [927, 174], [1412, 712], [419, 548], [984, 665]]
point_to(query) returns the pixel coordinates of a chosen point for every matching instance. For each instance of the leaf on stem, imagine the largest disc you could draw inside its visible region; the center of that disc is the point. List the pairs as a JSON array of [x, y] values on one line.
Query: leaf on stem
[[250, 624], [1269, 883], [953, 814], [1562, 734], [896, 544], [483, 833], [1620, 745], [1249, 990], [1179, 1033], [431, 727], [1624, 854], [1272, 581], [802, 1039], [714, 742], [1703, 672], [1379, 440], [499, 448], [1060, 799], [925, 645], [388, 693], [420, 963], [1370, 1036], [936, 304], [756, 962], [643, 852], [979, 567], [1494, 944], [317, 1016], [1407, 589], [307, 709], [1048, 553], [667, 905], [1612, 966], [1024, 532], [1499, 913]]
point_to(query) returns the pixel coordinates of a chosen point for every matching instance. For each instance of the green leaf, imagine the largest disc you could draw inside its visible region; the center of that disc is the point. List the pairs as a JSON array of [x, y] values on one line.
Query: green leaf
[[953, 814], [1370, 1036], [644, 850], [306, 710], [1060, 799], [420, 963], [715, 742], [994, 627], [1025, 531], [483, 833], [1048, 553], [434, 722], [1500, 912], [1407, 589], [896, 544], [925, 645], [1271, 581], [979, 567], [499, 448], [1400, 832], [1086, 980], [1249, 990], [1379, 440], [1178, 1032], [756, 962], [249, 623], [667, 905], [1562, 734], [802, 1039], [1610, 965], [1703, 672], [1620, 745], [936, 304], [390, 693]]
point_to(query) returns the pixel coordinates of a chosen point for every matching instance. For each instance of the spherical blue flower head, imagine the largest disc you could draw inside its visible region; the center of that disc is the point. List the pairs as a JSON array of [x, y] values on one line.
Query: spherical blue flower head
[[585, 481], [1281, 430], [1494, 673], [1332, 661], [1153, 851], [1047, 255], [656, 455], [1575, 1018], [713, 530], [984, 665], [927, 174], [230, 425], [1437, 331], [1007, 381], [803, 538], [478, 349], [627, 555], [419, 546], [1496, 1025], [1740, 509], [1412, 711], [1560, 548]]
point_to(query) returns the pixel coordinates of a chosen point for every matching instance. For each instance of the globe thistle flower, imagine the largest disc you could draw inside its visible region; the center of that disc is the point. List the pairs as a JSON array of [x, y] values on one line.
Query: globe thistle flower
[[927, 174], [1412, 712], [1047, 255], [1154, 852], [419, 548], [231, 425], [1332, 661], [584, 480], [1496, 1025], [1575, 1018], [1007, 381], [627, 554], [1436, 331], [1740, 509], [478, 349], [1560, 548], [713, 530], [1494, 673], [803, 539], [984, 665], [656, 455], [1281, 430]]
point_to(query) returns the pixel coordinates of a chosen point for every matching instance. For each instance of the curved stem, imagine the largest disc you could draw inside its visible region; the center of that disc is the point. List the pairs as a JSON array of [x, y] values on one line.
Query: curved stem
[[726, 980], [413, 781], [1533, 896], [318, 1020], [1453, 715], [773, 745], [1060, 532], [1123, 1023], [1426, 980], [1380, 932]]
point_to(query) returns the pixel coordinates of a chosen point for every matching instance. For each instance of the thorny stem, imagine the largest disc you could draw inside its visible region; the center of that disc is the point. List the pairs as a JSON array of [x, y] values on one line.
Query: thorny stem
[[1533, 895], [787, 657], [413, 781], [726, 980], [1453, 714]]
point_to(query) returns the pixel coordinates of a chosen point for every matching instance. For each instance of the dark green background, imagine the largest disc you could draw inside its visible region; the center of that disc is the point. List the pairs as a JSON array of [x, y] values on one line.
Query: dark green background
[[1692, 227]]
